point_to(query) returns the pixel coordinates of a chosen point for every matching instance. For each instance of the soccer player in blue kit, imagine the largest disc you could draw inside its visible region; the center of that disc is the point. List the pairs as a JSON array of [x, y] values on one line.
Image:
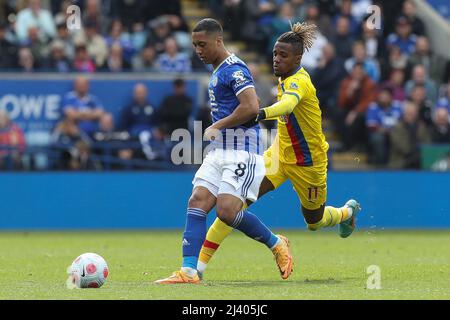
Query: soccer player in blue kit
[[233, 169]]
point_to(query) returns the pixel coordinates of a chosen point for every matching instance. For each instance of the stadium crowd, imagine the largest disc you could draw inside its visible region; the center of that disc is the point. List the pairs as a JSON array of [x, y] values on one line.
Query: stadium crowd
[[383, 91]]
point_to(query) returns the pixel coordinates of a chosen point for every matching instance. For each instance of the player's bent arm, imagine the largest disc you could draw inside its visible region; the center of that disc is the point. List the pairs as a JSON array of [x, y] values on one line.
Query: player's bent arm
[[246, 110], [285, 106]]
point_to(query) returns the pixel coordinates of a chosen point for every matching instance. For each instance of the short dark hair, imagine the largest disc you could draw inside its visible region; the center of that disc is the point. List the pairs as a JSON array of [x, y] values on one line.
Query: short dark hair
[[208, 25]]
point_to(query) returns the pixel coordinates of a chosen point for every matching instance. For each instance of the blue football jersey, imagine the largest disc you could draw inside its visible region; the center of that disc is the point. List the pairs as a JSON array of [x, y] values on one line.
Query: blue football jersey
[[228, 80]]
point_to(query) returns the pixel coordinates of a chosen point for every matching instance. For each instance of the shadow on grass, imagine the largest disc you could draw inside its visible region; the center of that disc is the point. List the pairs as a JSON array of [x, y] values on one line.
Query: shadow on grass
[[257, 283]]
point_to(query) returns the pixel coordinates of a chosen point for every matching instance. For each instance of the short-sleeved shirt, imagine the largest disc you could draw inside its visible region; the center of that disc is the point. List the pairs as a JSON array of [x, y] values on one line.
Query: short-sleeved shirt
[[300, 139], [231, 78], [91, 102]]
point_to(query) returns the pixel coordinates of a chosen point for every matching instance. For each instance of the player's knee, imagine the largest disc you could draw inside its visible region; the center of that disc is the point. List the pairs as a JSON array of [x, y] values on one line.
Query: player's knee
[[225, 214], [312, 217], [196, 200]]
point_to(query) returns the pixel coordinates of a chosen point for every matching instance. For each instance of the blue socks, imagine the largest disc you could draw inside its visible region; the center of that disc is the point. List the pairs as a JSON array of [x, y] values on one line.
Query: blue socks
[[250, 224], [193, 237]]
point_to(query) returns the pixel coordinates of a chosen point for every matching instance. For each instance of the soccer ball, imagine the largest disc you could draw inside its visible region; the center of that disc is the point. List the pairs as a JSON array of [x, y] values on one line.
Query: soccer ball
[[88, 271]]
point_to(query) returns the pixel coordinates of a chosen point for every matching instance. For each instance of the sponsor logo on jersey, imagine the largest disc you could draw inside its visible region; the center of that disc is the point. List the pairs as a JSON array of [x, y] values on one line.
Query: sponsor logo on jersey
[[239, 76]]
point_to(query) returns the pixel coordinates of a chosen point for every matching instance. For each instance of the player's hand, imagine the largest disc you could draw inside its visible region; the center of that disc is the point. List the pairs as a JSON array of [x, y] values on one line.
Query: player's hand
[[211, 133], [261, 115]]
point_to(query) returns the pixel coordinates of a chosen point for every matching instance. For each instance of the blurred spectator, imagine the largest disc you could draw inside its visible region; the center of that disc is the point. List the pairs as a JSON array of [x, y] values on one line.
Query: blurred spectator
[[95, 43], [8, 50], [116, 61], [345, 11], [57, 62], [263, 85], [300, 9], [381, 116], [409, 11], [326, 78], [311, 57], [175, 109], [66, 135], [110, 143], [440, 132], [35, 16], [280, 24], [26, 60], [374, 43], [172, 60], [37, 46], [139, 115], [82, 61], [314, 15], [65, 36], [419, 97], [92, 11], [118, 35], [159, 32], [356, 92], [402, 38], [12, 143], [444, 101], [433, 64], [138, 37], [81, 106], [359, 56], [419, 77], [145, 61], [342, 39], [60, 11], [131, 12], [406, 137], [396, 60], [396, 82]]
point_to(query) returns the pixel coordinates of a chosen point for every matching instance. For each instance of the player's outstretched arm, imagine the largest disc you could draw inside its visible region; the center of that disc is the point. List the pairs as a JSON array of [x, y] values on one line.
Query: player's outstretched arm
[[285, 106]]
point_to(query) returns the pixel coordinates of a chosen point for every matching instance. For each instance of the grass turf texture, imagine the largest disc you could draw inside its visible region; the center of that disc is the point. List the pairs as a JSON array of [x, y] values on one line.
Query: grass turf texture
[[414, 265]]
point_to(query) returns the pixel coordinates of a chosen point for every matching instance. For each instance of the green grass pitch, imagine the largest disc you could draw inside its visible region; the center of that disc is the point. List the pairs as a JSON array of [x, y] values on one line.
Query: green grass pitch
[[413, 265]]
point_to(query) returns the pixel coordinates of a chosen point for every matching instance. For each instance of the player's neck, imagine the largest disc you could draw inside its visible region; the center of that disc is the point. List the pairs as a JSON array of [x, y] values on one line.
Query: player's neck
[[291, 73], [221, 58]]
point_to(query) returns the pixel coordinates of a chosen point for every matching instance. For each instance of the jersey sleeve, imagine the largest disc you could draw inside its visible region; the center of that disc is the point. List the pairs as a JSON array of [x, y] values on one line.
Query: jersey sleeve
[[295, 86], [239, 79]]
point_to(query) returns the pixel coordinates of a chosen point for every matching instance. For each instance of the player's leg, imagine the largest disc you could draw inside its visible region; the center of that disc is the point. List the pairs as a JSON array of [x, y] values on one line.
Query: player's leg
[[220, 230], [310, 184], [201, 201], [233, 193], [229, 210]]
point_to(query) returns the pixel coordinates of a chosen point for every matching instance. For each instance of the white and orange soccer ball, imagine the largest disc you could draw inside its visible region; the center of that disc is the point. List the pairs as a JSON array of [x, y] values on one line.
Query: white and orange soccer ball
[[88, 270]]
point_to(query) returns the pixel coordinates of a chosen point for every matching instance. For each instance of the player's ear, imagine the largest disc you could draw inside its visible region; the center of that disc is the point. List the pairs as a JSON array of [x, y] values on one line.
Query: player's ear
[[219, 39], [298, 59]]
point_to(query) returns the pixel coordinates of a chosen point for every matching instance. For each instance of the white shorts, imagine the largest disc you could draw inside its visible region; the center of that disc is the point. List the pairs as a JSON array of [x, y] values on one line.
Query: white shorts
[[234, 172]]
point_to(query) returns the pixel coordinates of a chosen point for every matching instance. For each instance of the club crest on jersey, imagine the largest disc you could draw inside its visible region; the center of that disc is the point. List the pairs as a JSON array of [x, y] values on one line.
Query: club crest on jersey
[[214, 81], [284, 118], [293, 86]]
